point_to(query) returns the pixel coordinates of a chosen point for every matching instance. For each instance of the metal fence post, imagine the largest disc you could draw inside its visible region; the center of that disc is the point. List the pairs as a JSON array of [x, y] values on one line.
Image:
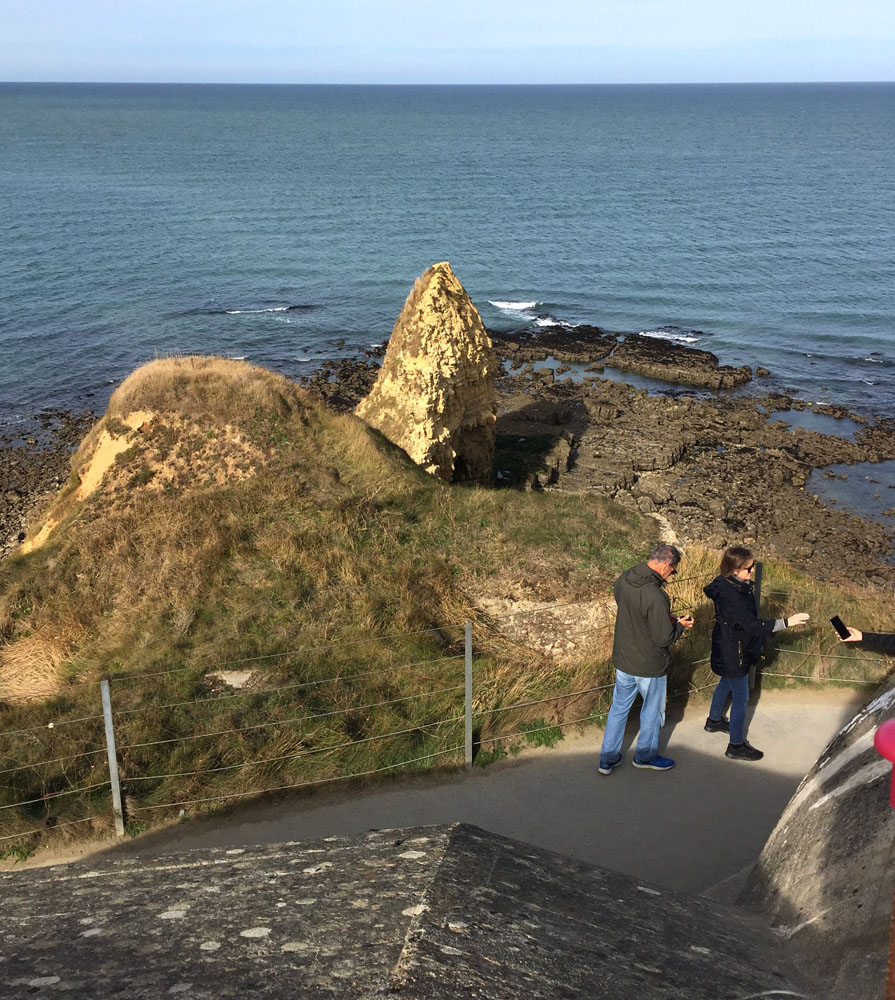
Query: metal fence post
[[113, 757], [758, 568], [468, 694]]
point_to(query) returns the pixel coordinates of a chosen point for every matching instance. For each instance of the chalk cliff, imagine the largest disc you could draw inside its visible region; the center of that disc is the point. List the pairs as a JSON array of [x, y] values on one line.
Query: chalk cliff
[[434, 396]]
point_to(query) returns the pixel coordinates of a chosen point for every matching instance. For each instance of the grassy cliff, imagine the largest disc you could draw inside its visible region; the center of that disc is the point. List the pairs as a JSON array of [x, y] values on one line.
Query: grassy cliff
[[219, 519], [278, 596]]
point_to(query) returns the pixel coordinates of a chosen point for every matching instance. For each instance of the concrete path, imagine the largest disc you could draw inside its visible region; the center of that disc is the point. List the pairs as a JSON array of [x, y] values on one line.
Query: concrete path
[[690, 828]]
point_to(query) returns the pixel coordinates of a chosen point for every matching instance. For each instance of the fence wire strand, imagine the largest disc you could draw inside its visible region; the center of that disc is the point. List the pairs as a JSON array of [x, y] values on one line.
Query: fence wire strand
[[488, 623], [822, 680], [302, 784], [57, 795], [828, 656], [540, 729], [294, 756], [56, 760], [541, 701], [297, 718], [50, 725], [302, 650], [56, 826], [291, 687]]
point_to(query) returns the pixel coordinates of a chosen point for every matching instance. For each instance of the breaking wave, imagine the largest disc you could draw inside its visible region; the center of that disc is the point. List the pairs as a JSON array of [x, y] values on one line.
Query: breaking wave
[[676, 334], [549, 320], [222, 311], [513, 307]]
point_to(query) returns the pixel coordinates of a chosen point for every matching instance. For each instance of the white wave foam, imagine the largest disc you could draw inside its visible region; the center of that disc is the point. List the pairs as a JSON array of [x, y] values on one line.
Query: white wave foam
[[678, 338], [249, 312], [238, 357], [552, 321], [513, 306], [876, 361], [302, 359]]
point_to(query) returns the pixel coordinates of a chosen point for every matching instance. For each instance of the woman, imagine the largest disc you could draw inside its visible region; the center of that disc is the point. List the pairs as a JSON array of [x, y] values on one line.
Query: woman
[[883, 642], [737, 639]]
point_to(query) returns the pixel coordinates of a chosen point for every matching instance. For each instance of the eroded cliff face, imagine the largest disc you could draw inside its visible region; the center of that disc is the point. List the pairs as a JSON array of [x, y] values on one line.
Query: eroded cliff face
[[434, 396]]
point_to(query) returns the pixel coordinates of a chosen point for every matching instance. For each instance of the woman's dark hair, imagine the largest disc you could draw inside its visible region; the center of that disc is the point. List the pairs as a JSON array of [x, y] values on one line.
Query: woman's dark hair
[[734, 558]]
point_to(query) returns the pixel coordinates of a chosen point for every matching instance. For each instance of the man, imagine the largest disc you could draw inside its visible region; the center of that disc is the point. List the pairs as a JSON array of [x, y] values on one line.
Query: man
[[644, 629]]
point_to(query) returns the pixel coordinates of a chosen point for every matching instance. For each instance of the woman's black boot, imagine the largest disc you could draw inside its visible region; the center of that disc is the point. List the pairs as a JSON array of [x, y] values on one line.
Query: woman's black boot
[[743, 751]]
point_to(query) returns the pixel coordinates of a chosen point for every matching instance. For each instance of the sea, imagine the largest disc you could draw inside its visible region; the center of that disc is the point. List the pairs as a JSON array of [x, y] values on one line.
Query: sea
[[286, 224]]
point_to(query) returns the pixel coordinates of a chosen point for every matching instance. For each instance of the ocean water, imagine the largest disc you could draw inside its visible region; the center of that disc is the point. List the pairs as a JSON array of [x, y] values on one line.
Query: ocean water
[[287, 224]]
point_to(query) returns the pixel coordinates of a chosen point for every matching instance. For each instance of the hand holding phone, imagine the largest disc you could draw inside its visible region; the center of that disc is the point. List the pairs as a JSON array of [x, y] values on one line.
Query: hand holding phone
[[840, 626], [686, 621]]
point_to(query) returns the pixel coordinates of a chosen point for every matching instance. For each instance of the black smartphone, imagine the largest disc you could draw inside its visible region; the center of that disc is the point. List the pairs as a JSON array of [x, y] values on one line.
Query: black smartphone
[[840, 627]]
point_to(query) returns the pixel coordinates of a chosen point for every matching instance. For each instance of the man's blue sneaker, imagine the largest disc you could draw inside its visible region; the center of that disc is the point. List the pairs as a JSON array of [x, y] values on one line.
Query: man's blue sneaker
[[607, 768], [656, 763]]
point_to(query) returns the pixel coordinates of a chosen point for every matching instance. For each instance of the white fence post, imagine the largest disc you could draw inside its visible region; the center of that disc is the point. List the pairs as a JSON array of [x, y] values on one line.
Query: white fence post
[[113, 758], [468, 694]]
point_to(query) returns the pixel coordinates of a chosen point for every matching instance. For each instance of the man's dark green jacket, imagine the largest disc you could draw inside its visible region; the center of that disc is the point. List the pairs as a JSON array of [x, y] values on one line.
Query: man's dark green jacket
[[644, 628]]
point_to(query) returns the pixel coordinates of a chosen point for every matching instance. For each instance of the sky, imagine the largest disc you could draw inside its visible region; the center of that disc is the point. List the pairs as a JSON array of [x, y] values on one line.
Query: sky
[[457, 41]]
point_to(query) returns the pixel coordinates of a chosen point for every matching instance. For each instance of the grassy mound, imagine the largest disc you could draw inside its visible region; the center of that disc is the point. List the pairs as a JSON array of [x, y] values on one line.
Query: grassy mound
[[218, 519], [278, 596]]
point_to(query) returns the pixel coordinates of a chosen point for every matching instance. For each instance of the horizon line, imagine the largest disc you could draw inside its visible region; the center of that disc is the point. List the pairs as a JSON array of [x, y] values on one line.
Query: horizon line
[[410, 83]]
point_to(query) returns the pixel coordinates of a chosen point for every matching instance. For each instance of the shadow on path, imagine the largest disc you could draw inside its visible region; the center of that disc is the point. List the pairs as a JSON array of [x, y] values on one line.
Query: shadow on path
[[689, 828]]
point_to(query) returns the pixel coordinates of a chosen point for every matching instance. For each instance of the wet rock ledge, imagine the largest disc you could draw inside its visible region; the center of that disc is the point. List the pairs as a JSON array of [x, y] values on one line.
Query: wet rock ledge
[[710, 467], [663, 359], [652, 357]]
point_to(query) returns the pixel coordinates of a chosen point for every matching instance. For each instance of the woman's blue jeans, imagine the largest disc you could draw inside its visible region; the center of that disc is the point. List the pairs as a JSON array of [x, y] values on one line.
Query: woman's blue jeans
[[738, 689], [652, 716]]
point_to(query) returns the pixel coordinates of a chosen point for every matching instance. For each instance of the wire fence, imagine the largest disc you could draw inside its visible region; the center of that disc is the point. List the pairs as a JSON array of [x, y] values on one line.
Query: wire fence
[[310, 735]]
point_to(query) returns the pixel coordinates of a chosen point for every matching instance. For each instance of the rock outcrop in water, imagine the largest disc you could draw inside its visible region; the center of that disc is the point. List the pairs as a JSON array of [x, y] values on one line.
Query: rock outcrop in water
[[663, 359], [574, 345], [435, 396]]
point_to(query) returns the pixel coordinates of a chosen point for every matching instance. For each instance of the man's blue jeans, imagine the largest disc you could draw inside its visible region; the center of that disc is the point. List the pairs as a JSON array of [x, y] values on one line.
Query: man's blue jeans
[[652, 716], [738, 689]]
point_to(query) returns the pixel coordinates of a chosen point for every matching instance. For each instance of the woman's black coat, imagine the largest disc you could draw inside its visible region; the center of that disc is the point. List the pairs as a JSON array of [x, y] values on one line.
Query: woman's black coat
[[739, 633], [882, 641]]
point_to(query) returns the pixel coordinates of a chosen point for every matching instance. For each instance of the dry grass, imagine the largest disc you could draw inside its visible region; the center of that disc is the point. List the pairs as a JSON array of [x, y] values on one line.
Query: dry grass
[[325, 539], [329, 565], [208, 388]]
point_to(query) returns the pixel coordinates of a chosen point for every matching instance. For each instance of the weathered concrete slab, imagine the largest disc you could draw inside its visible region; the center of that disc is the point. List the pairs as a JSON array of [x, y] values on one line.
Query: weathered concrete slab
[[827, 873], [426, 913], [528, 923], [312, 920]]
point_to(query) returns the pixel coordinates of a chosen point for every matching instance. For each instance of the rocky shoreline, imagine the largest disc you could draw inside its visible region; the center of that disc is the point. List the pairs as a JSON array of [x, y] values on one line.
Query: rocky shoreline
[[34, 465], [712, 467]]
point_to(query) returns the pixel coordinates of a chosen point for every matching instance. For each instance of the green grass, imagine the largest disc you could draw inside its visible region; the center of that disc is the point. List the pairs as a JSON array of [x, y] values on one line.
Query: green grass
[[341, 575], [299, 571], [539, 734]]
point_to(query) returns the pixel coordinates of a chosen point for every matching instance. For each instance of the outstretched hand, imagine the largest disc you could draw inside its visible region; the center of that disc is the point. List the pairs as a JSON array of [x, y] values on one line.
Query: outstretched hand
[[854, 635], [686, 620], [797, 619]]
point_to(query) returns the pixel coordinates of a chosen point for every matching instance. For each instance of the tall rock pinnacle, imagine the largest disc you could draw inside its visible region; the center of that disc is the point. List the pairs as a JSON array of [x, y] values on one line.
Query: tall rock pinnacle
[[434, 396]]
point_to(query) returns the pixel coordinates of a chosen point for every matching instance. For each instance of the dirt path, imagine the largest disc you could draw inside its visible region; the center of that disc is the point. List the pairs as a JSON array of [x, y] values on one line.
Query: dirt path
[[690, 828]]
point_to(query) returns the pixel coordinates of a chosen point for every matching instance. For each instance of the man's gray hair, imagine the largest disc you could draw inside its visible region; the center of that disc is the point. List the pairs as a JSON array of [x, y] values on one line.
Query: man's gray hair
[[665, 553]]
